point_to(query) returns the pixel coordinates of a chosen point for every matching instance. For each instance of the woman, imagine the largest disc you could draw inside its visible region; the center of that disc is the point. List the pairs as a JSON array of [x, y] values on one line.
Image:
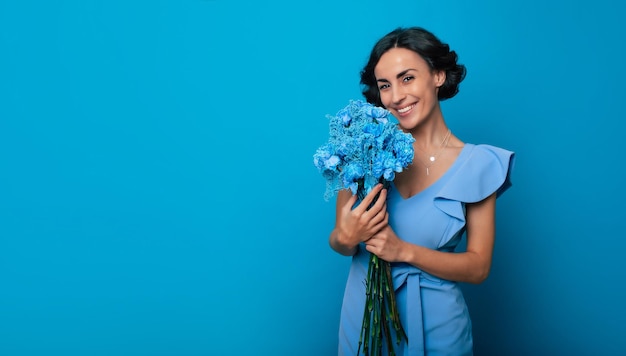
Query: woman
[[449, 191]]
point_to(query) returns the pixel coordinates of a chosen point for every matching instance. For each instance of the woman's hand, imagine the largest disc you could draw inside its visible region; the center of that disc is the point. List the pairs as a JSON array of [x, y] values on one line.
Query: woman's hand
[[353, 226], [386, 245]]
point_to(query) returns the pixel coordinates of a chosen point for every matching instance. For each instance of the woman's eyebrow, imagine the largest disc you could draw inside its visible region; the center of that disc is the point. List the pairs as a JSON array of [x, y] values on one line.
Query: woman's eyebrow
[[399, 75]]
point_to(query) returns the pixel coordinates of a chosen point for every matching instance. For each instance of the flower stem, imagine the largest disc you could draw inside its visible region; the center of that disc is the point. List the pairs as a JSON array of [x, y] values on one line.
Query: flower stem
[[381, 310]]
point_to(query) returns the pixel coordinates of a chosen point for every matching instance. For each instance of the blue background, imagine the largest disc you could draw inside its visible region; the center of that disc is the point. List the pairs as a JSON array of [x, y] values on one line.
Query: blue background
[[157, 190]]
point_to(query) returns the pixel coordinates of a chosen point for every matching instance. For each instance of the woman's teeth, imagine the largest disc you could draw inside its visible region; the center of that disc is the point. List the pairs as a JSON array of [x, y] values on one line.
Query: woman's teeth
[[403, 110]]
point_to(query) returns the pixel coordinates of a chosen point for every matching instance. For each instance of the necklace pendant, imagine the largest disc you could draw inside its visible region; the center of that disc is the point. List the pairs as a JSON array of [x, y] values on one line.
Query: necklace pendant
[[427, 172], [432, 158]]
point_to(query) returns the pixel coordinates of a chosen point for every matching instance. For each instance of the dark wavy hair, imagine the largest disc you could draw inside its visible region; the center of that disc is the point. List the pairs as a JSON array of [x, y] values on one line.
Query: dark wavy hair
[[436, 53]]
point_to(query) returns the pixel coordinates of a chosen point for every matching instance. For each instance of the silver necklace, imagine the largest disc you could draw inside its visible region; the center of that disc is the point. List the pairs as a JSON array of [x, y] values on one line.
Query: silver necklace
[[433, 157]]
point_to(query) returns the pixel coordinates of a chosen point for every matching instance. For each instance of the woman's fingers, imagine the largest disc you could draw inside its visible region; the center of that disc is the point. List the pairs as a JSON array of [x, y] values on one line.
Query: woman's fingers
[[381, 203], [369, 198], [360, 222], [382, 222], [350, 202], [375, 218]]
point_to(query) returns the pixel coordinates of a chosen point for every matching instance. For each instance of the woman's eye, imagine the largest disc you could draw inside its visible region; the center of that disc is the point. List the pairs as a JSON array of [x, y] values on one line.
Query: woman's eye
[[407, 79], [384, 86]]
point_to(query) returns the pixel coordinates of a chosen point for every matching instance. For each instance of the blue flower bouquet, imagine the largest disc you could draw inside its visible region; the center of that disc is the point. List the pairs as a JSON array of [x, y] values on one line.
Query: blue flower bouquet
[[365, 148]]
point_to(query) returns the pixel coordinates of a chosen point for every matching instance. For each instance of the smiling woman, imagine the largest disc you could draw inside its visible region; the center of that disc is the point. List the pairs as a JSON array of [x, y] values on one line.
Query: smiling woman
[[427, 211]]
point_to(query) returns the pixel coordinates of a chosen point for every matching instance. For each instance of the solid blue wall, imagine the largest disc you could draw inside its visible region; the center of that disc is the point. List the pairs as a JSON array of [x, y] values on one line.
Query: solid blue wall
[[157, 191]]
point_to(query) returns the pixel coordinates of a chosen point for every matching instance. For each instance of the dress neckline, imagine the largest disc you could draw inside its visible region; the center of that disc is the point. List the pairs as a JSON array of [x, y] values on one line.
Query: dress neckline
[[453, 167]]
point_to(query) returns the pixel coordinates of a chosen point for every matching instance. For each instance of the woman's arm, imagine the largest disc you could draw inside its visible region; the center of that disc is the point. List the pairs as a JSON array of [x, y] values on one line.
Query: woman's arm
[[359, 224], [471, 266]]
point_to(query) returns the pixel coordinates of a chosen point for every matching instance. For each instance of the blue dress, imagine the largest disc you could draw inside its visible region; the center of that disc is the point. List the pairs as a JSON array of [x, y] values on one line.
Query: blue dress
[[432, 310]]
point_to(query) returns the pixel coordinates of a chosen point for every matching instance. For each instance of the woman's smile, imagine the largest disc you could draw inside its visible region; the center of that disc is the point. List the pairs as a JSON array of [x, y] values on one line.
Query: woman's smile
[[405, 110]]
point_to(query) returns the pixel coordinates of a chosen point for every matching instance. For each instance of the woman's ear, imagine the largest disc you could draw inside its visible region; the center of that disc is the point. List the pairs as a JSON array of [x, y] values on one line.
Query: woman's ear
[[440, 78]]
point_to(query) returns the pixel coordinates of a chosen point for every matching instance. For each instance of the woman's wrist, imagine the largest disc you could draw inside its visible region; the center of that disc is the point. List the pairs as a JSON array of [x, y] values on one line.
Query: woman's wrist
[[342, 244], [407, 253]]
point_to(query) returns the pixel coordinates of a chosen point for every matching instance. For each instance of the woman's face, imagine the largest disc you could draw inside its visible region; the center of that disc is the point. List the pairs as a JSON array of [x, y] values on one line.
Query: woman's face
[[407, 86]]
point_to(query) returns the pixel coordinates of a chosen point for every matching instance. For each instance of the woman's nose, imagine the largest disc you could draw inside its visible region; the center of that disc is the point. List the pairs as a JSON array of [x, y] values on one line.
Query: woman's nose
[[397, 94]]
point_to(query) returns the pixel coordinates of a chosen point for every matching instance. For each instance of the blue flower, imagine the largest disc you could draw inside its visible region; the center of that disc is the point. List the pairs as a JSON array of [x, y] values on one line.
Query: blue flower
[[373, 129], [332, 162], [379, 114], [325, 160], [352, 173], [363, 149], [385, 165]]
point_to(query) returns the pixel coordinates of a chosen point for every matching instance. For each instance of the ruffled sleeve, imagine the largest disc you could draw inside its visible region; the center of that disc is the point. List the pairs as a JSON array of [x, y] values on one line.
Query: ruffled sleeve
[[485, 170]]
